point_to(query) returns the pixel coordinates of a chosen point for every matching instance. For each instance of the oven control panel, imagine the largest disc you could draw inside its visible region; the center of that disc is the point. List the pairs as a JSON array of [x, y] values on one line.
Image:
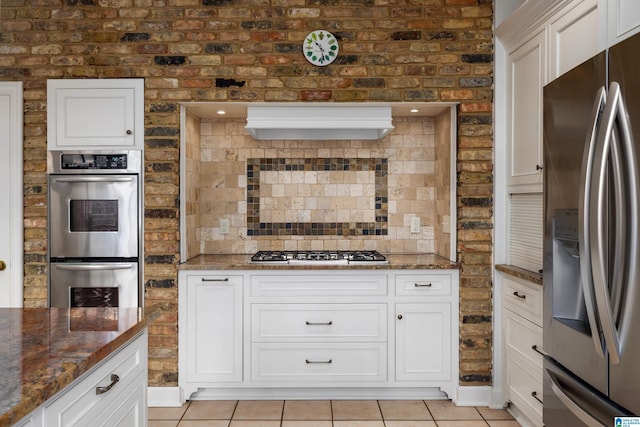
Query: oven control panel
[[93, 161]]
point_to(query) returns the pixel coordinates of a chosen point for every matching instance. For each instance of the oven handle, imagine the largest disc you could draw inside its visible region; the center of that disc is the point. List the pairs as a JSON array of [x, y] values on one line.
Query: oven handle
[[94, 267], [94, 179]]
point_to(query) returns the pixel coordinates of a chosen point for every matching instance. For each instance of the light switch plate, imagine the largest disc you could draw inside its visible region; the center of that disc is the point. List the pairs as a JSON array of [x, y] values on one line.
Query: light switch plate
[[224, 226], [415, 225]]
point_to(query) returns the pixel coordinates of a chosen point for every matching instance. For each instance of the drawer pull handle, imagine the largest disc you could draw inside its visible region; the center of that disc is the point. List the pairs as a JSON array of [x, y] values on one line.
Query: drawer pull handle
[[519, 295], [534, 394], [330, 322], [114, 381], [537, 350], [309, 362], [226, 279], [422, 285]]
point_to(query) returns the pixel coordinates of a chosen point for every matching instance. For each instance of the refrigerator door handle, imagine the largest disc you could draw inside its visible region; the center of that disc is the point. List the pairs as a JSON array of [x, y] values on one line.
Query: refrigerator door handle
[[584, 218], [576, 409], [624, 295], [608, 142]]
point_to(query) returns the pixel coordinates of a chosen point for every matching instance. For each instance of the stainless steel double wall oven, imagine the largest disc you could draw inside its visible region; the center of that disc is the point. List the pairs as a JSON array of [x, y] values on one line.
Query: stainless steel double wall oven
[[95, 228]]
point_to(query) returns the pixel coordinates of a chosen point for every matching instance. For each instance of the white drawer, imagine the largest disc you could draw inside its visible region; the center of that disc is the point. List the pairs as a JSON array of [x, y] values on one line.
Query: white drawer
[[307, 363], [522, 388], [523, 298], [313, 284], [80, 399], [319, 322], [432, 284], [520, 337]]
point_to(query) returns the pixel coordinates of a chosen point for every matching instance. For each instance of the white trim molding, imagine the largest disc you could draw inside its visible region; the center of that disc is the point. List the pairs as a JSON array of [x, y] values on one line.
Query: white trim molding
[[15, 188], [474, 396], [164, 397]]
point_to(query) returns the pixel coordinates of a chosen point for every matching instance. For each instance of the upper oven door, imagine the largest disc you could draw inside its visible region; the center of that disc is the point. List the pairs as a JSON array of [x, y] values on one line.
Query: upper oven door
[[93, 216]]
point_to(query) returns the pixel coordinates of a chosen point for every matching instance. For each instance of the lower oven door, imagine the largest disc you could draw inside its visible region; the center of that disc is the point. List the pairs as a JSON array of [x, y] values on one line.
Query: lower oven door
[[94, 284]]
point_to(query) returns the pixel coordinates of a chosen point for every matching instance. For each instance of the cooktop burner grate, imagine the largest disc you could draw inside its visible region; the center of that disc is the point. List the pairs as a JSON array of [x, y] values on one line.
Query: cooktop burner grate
[[301, 257]]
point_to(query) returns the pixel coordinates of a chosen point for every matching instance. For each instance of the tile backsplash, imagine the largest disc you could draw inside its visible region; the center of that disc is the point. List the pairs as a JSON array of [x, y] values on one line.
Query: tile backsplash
[[302, 195], [317, 197]]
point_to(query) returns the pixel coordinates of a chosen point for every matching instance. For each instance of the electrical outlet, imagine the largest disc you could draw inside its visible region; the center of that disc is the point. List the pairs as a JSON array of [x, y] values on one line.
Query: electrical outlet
[[224, 226], [415, 225]]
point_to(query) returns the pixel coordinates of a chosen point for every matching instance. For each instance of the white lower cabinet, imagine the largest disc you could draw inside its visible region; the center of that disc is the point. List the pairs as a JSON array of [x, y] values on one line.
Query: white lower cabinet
[[211, 328], [114, 394], [522, 314], [423, 342], [256, 331]]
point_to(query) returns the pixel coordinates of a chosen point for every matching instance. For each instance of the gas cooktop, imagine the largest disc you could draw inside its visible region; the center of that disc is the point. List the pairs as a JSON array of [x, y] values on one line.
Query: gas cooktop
[[319, 257]]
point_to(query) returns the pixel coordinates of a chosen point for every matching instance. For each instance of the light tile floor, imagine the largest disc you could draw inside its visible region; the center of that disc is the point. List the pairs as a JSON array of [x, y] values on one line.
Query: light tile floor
[[328, 413]]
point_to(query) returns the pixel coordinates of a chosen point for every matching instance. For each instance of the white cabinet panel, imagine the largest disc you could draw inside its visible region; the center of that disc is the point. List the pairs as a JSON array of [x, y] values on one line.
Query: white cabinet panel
[[313, 322], [314, 284], [524, 391], [307, 363], [420, 285], [214, 328], [95, 113], [623, 20], [423, 341], [81, 404], [573, 37], [523, 298], [527, 67]]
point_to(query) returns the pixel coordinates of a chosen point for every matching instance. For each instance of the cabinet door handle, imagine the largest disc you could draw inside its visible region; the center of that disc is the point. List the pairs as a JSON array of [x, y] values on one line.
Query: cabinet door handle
[[422, 285], [538, 168], [534, 394], [537, 350], [114, 381], [129, 132], [309, 362], [330, 322], [519, 295], [399, 316], [226, 279]]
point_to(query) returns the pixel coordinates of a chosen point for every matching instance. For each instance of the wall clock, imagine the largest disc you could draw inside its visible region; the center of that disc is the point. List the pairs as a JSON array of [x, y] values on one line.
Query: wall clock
[[320, 47]]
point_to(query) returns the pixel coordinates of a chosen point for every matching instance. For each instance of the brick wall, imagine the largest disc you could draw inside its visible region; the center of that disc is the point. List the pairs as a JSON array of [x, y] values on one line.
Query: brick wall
[[249, 50]]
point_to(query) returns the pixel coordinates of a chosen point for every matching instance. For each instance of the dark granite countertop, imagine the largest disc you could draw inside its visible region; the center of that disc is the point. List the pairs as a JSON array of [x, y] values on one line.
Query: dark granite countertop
[[521, 273], [44, 349], [241, 262]]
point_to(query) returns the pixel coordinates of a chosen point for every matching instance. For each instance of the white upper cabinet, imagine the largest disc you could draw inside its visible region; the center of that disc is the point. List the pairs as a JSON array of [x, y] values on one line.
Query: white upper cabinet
[[95, 113], [623, 19], [526, 67], [573, 37], [542, 40]]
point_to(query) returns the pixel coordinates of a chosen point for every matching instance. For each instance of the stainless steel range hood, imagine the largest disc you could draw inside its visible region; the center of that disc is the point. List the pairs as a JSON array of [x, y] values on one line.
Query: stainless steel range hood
[[319, 122]]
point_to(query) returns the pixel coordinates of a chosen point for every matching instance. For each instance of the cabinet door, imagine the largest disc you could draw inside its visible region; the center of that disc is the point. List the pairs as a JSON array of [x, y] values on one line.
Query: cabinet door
[[527, 75], [623, 20], [103, 114], [423, 341], [573, 37], [214, 328]]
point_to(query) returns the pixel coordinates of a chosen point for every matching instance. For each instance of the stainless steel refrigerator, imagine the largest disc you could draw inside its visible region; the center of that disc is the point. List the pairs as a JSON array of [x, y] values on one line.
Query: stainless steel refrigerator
[[592, 232]]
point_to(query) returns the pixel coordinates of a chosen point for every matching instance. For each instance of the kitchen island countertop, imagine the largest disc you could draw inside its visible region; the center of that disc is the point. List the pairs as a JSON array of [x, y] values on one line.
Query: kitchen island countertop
[[412, 261], [45, 349]]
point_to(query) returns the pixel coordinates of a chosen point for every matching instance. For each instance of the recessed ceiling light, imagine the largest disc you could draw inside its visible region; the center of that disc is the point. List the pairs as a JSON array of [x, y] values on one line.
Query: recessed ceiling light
[[221, 112], [414, 110]]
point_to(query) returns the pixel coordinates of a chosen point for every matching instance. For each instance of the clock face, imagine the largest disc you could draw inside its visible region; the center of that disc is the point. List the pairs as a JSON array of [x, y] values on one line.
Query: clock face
[[320, 47]]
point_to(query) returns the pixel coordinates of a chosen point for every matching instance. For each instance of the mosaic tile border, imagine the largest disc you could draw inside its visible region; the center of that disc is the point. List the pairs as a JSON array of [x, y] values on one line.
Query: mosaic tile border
[[376, 228]]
